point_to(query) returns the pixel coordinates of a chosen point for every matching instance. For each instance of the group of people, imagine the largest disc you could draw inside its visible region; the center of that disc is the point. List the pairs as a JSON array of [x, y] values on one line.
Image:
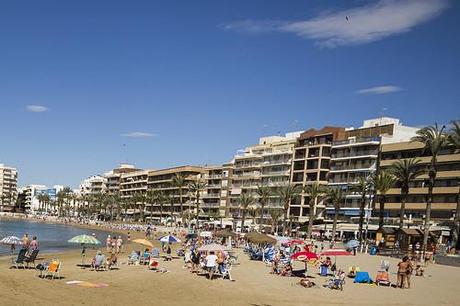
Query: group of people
[[101, 262], [28, 244], [114, 244]]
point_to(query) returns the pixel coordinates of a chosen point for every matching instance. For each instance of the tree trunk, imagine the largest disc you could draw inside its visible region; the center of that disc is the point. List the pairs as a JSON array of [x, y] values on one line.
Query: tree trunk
[[311, 217], [197, 211], [262, 205], [284, 221], [456, 231], [362, 206], [403, 209], [181, 207], [243, 217], [381, 210], [334, 225], [429, 201]]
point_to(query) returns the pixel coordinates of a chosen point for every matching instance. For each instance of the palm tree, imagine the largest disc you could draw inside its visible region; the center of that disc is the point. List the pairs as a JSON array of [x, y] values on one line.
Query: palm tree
[[287, 193], [264, 193], [180, 181], [454, 141], [275, 214], [172, 199], [405, 171], [434, 139], [382, 182], [195, 188], [362, 187], [244, 200], [314, 192], [335, 197], [152, 197]]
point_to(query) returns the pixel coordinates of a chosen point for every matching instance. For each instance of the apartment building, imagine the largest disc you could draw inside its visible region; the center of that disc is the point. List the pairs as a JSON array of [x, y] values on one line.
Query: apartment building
[[216, 195], [356, 155], [31, 193], [8, 188], [113, 177], [445, 191], [312, 155], [162, 180], [265, 164], [93, 185]]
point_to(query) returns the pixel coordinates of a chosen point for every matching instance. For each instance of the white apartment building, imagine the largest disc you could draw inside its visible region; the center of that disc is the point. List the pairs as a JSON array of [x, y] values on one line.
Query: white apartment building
[[93, 185], [265, 164], [32, 203], [356, 155], [8, 188]]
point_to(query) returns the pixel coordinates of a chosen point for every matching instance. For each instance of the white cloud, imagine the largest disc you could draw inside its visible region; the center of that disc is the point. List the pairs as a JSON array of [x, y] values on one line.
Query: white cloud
[[365, 24], [137, 134], [379, 90], [36, 108]]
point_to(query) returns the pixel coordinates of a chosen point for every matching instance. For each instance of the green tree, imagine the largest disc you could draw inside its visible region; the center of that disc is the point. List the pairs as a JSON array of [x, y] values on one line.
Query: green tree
[[454, 141], [405, 171], [314, 191], [382, 182], [264, 193], [362, 186], [336, 197], [287, 193], [275, 214], [195, 188], [244, 200], [434, 139], [180, 181]]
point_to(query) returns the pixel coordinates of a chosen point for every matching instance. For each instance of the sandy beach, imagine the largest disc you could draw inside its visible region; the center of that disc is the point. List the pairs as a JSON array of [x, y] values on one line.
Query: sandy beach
[[253, 285]]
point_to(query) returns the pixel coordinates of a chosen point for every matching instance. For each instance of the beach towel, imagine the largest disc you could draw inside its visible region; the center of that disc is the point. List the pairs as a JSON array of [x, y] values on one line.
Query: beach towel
[[86, 284], [362, 277]]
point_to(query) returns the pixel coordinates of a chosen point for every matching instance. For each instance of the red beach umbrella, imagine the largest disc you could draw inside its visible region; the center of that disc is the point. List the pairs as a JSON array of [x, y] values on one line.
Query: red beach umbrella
[[303, 256], [335, 252], [295, 241]]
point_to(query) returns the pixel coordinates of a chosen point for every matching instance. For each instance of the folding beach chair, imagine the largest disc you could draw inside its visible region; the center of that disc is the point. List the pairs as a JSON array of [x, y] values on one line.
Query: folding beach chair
[[31, 258], [53, 269], [20, 259], [382, 278]]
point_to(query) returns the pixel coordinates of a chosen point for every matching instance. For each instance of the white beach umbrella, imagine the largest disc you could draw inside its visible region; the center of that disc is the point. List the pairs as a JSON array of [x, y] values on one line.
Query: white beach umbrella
[[10, 240]]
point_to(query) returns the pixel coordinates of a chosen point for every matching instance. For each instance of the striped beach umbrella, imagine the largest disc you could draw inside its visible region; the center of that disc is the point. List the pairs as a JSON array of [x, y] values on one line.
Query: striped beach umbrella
[[10, 240], [84, 239], [169, 239]]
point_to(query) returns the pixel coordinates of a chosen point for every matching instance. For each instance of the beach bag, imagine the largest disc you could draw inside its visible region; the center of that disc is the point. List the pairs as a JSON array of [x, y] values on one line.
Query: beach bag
[[362, 277], [323, 270]]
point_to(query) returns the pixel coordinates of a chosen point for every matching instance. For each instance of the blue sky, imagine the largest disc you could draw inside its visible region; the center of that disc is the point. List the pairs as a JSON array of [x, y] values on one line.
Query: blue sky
[[197, 80]]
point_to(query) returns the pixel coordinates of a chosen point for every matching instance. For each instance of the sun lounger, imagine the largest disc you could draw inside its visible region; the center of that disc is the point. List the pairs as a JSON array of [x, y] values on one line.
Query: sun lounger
[[31, 258], [382, 278], [20, 259], [53, 269]]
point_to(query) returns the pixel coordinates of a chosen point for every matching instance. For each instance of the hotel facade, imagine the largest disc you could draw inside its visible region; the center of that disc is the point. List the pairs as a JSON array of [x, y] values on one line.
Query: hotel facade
[[8, 188]]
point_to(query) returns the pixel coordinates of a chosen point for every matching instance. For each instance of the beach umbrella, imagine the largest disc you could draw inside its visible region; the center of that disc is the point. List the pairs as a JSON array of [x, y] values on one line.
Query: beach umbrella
[[258, 238], [352, 244], [11, 240], [213, 247], [336, 252], [303, 256], [84, 239], [169, 239], [295, 242], [144, 242], [206, 234], [225, 234]]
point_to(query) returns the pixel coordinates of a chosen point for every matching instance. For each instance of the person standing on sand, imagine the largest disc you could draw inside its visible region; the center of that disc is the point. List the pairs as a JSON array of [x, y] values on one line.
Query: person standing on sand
[[119, 244], [34, 244], [108, 243], [403, 267], [25, 241]]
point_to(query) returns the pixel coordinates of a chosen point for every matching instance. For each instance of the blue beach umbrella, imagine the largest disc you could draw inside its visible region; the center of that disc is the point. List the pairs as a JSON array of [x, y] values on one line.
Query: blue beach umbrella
[[352, 244], [169, 239]]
